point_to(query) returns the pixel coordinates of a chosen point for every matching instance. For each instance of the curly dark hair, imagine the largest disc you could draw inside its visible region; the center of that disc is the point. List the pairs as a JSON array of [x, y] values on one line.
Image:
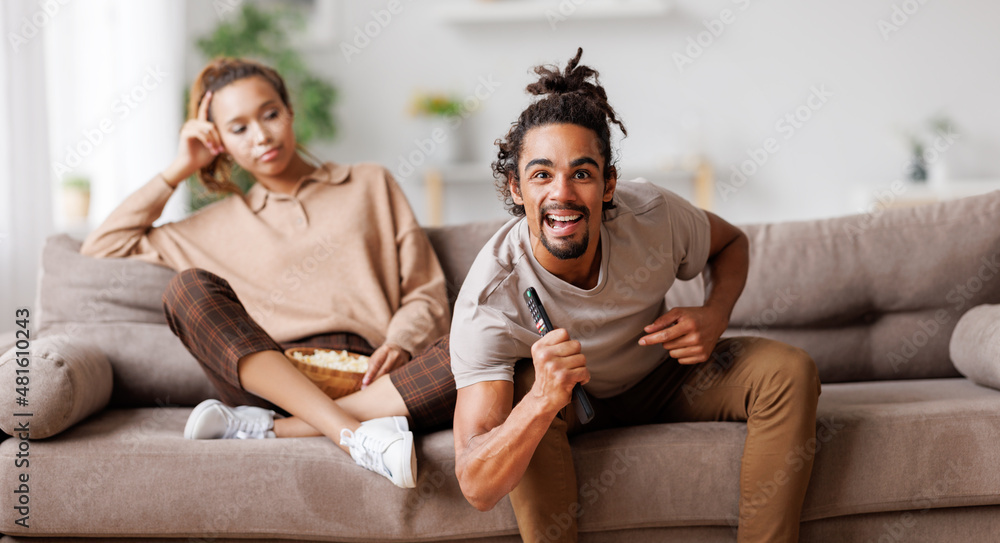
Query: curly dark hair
[[570, 97]]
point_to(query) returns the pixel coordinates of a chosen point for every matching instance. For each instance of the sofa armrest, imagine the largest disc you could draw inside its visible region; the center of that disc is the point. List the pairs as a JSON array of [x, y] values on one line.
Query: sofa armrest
[[62, 382], [975, 345]]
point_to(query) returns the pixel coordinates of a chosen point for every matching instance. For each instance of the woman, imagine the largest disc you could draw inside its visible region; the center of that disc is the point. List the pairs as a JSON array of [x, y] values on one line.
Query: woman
[[320, 255]]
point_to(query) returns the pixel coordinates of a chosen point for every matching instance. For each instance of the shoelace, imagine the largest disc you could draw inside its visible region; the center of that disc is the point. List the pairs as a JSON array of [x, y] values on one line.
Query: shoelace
[[365, 451], [246, 429]]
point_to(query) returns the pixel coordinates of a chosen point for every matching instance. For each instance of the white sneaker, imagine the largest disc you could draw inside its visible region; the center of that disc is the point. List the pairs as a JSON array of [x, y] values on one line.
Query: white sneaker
[[384, 446], [212, 419]]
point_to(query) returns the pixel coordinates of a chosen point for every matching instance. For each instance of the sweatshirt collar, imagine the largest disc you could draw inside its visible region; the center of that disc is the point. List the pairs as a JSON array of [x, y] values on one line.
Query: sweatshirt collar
[[328, 172]]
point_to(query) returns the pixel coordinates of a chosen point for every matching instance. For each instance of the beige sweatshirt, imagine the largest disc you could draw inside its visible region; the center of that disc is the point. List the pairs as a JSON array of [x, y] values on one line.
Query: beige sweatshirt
[[343, 253]]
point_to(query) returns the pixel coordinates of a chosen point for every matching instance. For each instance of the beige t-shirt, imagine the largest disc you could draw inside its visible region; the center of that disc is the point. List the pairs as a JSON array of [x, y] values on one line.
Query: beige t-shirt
[[652, 237]]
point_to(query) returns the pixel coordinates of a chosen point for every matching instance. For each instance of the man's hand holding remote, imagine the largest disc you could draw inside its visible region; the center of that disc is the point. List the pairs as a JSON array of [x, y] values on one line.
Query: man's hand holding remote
[[559, 366]]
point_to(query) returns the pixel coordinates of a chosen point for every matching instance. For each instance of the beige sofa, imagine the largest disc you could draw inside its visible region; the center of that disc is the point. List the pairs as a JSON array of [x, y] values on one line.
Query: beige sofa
[[907, 448]]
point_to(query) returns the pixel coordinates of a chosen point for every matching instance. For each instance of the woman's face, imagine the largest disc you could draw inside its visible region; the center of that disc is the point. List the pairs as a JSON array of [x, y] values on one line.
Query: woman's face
[[255, 125]]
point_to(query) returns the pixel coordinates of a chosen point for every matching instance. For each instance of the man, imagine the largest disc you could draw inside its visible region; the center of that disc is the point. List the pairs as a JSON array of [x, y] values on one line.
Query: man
[[580, 242]]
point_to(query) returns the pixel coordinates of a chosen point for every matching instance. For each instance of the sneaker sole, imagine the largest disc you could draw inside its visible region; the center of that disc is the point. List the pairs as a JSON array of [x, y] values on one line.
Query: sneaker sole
[[409, 481], [409, 476], [195, 414]]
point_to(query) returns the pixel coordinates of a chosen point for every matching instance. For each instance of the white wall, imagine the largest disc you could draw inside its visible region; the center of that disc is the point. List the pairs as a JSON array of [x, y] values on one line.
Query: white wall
[[115, 81], [25, 206], [943, 59]]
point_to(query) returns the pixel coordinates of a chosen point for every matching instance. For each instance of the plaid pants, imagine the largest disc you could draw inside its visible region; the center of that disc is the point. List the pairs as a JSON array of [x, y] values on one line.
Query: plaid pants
[[205, 313]]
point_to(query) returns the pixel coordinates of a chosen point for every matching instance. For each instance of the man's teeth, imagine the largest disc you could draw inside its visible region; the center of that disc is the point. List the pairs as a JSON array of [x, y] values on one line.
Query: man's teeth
[[563, 219]]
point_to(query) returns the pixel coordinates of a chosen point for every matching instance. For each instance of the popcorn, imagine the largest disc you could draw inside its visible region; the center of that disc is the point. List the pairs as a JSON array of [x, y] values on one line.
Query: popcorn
[[336, 360]]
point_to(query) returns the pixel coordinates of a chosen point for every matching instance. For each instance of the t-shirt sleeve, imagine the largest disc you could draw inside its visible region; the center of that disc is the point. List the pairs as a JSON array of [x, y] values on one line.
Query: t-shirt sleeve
[[692, 236], [481, 344]]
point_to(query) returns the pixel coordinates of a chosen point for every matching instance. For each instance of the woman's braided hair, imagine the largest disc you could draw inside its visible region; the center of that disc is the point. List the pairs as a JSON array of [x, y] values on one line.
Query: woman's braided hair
[[570, 97]]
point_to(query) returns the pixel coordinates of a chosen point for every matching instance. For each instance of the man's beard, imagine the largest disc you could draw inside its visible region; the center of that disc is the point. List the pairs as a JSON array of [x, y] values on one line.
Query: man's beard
[[567, 250]]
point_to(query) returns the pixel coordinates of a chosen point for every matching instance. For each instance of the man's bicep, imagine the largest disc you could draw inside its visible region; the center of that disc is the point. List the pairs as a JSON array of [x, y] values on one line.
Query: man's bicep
[[721, 233], [480, 408]]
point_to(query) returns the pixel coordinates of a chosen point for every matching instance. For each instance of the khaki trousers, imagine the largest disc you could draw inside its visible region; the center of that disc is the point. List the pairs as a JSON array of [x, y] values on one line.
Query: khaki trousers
[[772, 386]]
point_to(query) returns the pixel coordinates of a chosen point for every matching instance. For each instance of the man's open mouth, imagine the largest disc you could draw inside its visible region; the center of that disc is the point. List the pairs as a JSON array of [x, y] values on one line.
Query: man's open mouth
[[561, 223]]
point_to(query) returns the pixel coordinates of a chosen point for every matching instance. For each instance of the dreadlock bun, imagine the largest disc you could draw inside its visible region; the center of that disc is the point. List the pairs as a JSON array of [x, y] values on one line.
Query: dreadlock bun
[[573, 95], [574, 79]]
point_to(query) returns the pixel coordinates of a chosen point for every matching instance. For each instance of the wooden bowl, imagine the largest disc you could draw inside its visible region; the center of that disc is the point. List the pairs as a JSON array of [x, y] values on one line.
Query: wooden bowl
[[335, 383]]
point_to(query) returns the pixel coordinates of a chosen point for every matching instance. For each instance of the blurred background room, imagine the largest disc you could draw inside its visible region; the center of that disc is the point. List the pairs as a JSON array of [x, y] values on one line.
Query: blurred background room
[[761, 111]]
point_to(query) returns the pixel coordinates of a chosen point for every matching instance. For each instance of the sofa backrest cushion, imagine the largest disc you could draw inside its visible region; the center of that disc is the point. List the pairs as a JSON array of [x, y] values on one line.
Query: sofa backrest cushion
[[872, 296], [457, 248], [115, 303]]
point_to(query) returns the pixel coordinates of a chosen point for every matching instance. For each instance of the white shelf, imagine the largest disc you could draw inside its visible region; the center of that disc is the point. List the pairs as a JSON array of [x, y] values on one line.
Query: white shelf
[[481, 173], [909, 193], [520, 11], [438, 177]]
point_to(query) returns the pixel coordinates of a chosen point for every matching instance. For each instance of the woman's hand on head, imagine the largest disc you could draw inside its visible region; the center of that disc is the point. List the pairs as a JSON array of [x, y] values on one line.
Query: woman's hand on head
[[200, 143], [385, 359]]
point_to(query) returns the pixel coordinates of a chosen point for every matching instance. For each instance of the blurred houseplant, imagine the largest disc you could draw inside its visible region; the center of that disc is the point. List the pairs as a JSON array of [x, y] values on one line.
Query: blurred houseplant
[[927, 148], [444, 115], [264, 35], [436, 105], [76, 199]]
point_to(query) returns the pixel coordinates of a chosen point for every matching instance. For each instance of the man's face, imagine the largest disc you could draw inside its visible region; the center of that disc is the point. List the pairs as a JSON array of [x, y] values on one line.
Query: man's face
[[562, 188]]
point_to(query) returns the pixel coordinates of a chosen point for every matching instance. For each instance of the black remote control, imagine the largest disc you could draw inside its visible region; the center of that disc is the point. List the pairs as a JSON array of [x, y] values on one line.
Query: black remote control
[[584, 411]]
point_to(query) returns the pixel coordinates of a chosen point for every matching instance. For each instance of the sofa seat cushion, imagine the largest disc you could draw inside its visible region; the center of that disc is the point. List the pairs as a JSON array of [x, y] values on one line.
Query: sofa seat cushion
[[884, 446], [130, 472], [905, 445]]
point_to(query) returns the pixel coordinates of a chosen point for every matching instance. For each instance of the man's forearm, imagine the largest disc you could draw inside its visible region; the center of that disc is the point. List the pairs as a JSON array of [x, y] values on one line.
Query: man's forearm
[[728, 275], [490, 465]]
